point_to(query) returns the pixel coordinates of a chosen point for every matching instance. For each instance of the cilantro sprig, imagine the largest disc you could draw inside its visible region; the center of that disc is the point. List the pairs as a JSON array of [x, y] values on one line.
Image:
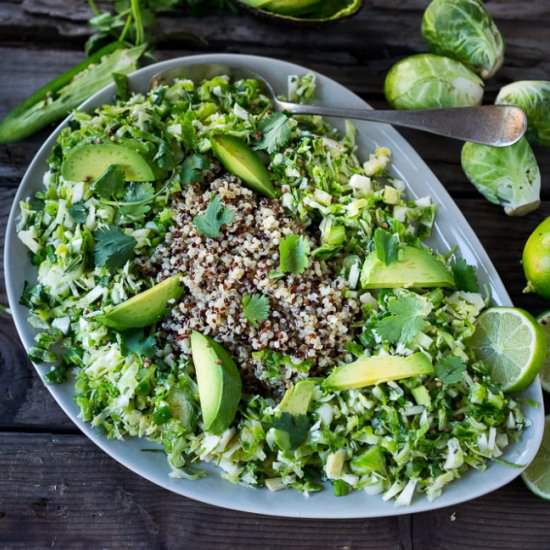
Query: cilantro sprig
[[78, 212], [216, 215], [406, 319], [275, 132], [255, 308], [192, 168], [110, 183], [135, 204], [294, 253], [295, 428], [113, 248], [136, 341], [465, 276], [450, 370]]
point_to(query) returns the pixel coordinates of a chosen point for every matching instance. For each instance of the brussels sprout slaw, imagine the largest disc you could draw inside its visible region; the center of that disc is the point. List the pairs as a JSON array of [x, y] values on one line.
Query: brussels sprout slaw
[[398, 438]]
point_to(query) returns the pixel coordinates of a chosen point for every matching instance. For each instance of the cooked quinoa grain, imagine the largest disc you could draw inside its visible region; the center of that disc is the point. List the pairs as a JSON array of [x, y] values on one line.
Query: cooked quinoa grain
[[309, 317]]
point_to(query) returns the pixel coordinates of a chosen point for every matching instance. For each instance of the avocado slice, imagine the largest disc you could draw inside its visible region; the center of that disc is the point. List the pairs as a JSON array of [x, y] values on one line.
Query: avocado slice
[[219, 383], [369, 371], [239, 159], [414, 268], [88, 161], [144, 308]]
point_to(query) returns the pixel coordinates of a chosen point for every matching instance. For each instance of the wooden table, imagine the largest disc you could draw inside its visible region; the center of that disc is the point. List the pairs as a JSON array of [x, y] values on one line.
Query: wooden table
[[57, 488]]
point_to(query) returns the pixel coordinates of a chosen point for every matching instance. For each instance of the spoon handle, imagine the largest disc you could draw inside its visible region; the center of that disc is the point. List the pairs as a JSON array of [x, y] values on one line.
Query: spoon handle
[[497, 125]]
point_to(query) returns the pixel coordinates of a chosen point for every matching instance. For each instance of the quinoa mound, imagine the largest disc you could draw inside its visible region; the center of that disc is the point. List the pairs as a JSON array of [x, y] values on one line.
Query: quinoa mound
[[309, 316]]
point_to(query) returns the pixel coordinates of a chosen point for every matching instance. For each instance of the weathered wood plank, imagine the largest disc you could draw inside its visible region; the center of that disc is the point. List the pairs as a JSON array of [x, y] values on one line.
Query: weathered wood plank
[[361, 37], [510, 518], [25, 403], [62, 490]]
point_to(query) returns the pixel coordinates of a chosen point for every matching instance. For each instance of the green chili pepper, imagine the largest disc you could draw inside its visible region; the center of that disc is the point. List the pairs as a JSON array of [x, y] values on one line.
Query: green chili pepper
[[60, 96]]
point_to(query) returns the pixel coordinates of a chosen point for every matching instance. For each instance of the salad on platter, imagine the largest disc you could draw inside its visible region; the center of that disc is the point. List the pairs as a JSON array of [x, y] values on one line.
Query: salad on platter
[[237, 286]]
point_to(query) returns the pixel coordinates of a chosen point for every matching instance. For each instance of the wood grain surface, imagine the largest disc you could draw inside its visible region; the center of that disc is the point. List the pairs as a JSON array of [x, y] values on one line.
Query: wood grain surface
[[56, 488]]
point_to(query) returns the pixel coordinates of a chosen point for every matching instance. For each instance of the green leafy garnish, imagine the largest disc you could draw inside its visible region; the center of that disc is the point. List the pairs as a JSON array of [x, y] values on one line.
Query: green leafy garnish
[[192, 167], [135, 341], [255, 308], [450, 370], [122, 86], [407, 319], [295, 426], [293, 254], [135, 203], [465, 276], [113, 248], [78, 212], [110, 183], [216, 215], [276, 132], [386, 246], [165, 157]]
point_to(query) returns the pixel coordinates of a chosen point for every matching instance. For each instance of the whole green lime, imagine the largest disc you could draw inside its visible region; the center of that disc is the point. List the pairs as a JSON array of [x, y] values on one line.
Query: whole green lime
[[536, 260]]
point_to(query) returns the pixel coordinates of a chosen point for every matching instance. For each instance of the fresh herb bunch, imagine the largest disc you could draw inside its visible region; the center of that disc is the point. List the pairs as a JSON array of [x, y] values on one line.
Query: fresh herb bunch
[[133, 20]]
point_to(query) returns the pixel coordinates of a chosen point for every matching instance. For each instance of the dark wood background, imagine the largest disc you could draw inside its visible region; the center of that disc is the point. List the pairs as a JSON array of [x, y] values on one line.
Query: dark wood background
[[56, 488]]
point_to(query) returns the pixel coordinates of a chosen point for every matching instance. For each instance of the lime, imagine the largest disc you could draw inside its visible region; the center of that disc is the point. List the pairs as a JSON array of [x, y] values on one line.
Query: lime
[[536, 259], [544, 321], [537, 474], [512, 343]]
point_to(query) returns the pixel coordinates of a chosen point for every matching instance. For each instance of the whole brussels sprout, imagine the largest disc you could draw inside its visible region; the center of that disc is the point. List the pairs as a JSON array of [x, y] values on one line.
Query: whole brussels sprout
[[465, 31], [508, 176], [533, 96], [426, 81]]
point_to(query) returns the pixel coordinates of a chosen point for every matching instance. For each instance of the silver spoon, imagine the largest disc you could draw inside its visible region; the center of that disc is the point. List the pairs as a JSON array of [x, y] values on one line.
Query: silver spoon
[[496, 125]]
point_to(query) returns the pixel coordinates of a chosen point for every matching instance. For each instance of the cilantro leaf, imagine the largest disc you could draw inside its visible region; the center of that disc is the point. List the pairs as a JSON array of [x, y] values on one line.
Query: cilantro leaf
[[216, 215], [113, 248], [78, 212], [255, 308], [276, 132], [192, 167], [293, 254], [465, 276], [122, 86], [294, 426], [386, 246], [407, 319], [138, 195], [135, 341], [110, 183], [450, 369], [164, 157]]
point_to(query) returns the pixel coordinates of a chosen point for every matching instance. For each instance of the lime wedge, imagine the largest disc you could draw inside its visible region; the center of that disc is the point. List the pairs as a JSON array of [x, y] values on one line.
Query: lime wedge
[[544, 321], [512, 343], [537, 474]]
